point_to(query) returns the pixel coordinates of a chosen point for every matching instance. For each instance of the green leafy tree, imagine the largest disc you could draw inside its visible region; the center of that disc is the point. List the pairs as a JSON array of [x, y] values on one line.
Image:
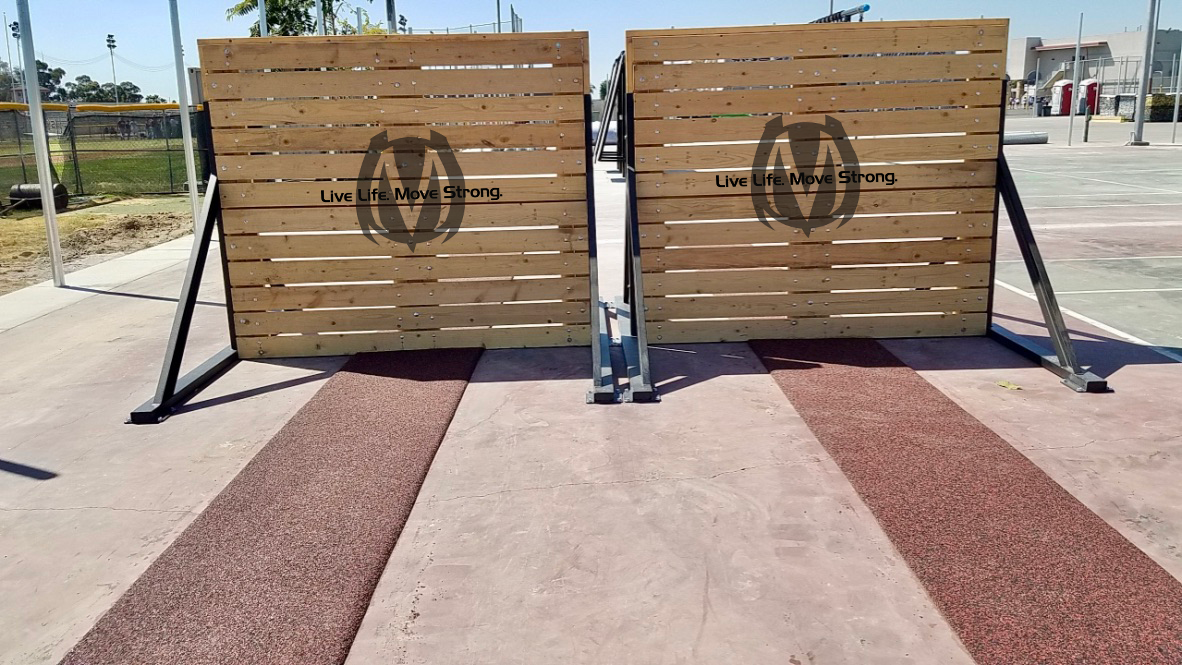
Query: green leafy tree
[[603, 89], [295, 17], [154, 99], [50, 81]]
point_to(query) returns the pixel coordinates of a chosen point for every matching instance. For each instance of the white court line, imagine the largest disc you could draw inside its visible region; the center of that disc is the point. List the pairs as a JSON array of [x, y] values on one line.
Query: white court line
[[1094, 225], [1081, 293], [1172, 355], [1106, 182], [1082, 196], [1102, 258], [1103, 205]]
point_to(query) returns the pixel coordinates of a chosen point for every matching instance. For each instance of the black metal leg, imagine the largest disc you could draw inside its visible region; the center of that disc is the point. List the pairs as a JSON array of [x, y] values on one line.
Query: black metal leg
[[172, 390], [603, 384], [640, 386], [1063, 361]]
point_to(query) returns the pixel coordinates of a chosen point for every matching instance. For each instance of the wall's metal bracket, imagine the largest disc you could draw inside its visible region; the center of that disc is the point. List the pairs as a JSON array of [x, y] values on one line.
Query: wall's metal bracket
[[603, 387], [1062, 360], [173, 390], [640, 388]]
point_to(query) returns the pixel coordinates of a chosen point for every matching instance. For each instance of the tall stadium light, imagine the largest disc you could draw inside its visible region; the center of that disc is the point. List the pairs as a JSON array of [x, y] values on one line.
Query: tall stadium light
[[263, 27], [41, 149], [1146, 78], [114, 78], [182, 90]]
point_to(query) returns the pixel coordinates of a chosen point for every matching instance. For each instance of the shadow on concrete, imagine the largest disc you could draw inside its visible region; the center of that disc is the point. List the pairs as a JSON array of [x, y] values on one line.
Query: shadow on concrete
[[26, 471], [327, 366], [144, 296]]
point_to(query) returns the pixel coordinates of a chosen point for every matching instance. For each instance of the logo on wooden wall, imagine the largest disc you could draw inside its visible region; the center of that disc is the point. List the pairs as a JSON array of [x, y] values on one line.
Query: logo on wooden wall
[[386, 208], [810, 194]]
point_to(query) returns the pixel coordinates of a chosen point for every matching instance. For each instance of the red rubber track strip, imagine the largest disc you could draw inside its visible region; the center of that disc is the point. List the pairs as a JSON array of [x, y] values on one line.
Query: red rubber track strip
[[1023, 572], [282, 564]]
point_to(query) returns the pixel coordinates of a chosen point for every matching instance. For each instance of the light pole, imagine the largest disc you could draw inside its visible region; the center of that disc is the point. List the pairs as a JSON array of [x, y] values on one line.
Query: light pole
[[15, 26], [1146, 77], [114, 78]]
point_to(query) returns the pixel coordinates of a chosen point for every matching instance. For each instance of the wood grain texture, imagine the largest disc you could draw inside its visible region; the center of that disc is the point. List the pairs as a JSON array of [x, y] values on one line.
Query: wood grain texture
[[403, 294], [886, 326], [343, 344], [230, 140], [238, 168], [238, 221], [963, 225]]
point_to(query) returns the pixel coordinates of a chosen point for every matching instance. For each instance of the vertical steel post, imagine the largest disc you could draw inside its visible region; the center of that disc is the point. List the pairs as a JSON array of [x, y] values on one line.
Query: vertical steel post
[[1146, 77], [498, 15], [320, 17], [41, 146], [603, 383], [391, 17], [640, 386], [72, 130], [1073, 106], [1177, 94], [1034, 96], [182, 89], [264, 29], [1001, 133]]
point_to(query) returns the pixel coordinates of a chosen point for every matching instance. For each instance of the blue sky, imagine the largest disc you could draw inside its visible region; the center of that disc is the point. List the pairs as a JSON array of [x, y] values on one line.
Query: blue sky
[[71, 32]]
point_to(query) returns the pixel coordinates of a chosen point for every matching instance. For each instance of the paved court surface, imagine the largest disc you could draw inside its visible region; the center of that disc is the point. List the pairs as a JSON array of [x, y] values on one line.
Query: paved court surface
[[537, 501]]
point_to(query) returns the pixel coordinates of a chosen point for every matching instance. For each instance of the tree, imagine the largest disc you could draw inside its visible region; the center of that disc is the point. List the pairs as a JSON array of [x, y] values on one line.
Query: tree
[[603, 89], [50, 81], [295, 17], [154, 99]]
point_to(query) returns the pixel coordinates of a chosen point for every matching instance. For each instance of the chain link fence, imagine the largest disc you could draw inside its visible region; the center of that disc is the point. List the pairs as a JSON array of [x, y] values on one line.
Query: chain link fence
[[95, 152]]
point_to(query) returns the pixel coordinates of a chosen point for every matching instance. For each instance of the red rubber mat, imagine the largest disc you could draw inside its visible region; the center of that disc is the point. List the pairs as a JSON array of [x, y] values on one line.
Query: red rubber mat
[[282, 564], [1023, 571]]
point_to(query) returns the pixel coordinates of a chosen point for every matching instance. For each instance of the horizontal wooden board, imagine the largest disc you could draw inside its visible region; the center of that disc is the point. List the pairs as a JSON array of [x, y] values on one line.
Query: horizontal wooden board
[[565, 214], [969, 250], [395, 82], [940, 325], [235, 168], [260, 298], [894, 149], [343, 344], [431, 317], [816, 99], [651, 211], [856, 123], [397, 111], [966, 225], [413, 268], [818, 304], [806, 41], [811, 280], [309, 194], [356, 139], [818, 71], [907, 176], [391, 51], [251, 248]]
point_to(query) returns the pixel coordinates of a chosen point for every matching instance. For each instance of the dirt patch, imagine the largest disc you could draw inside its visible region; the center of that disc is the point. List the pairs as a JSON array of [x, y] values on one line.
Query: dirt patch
[[85, 239]]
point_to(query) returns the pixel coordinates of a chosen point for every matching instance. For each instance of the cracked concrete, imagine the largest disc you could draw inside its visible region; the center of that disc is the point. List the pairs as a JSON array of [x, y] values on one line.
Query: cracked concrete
[[558, 532]]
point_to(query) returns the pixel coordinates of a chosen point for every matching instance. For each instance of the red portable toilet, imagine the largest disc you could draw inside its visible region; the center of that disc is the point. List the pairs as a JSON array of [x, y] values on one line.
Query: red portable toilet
[[1089, 93], [1061, 98]]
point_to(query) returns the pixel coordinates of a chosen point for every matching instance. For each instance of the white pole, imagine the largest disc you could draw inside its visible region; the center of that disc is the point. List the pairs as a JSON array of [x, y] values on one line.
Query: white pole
[[263, 28], [359, 26], [391, 17], [183, 99], [320, 17], [1074, 105], [1034, 96], [1177, 94], [1145, 79], [40, 145]]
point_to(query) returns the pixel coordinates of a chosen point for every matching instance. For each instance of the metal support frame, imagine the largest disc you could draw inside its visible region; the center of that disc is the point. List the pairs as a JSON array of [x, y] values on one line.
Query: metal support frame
[[173, 390], [1062, 361], [611, 108], [630, 311], [603, 382]]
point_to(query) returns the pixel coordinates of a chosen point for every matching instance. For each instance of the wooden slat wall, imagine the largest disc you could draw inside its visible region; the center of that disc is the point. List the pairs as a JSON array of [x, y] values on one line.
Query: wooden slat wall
[[293, 116], [919, 99]]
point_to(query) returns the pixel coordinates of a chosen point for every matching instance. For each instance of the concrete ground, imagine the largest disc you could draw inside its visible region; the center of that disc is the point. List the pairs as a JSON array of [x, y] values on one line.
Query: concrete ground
[[709, 527]]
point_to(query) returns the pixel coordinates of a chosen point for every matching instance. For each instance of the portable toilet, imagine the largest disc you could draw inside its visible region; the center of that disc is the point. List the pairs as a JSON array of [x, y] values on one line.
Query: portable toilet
[[1089, 96], [1061, 98]]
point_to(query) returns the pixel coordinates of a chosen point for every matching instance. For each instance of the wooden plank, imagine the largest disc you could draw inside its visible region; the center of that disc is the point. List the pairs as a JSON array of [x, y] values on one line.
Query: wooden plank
[[394, 82], [812, 99], [313, 194], [806, 41], [260, 298], [289, 139], [805, 256], [818, 304], [944, 325], [651, 211], [403, 111], [341, 344], [968, 225], [564, 214], [409, 318], [808, 280], [251, 248], [907, 176], [818, 71], [404, 269], [387, 51], [236, 168], [857, 123], [869, 150]]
